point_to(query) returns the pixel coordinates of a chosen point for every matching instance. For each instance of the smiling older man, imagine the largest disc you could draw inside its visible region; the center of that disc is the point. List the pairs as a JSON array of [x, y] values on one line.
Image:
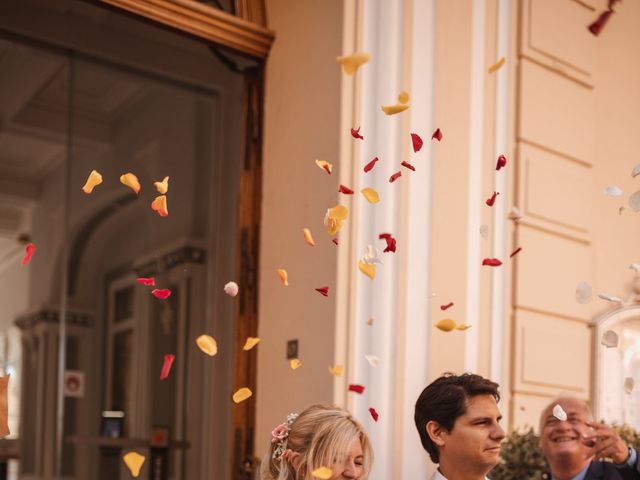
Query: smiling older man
[[576, 446]]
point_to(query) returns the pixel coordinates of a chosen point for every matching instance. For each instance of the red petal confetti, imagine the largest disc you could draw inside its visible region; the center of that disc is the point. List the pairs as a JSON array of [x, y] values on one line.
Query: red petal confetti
[[345, 190], [374, 414], [323, 291], [369, 166], [28, 253], [356, 133], [448, 305], [394, 177], [491, 262], [166, 366], [515, 252], [437, 135], [161, 293], [502, 162], [149, 282], [335, 240], [408, 165], [597, 26], [492, 200], [417, 142], [391, 242], [353, 387]]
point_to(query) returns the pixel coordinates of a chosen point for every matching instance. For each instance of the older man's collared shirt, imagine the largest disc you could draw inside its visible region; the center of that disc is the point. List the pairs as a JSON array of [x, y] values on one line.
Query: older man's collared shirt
[[439, 476], [631, 463]]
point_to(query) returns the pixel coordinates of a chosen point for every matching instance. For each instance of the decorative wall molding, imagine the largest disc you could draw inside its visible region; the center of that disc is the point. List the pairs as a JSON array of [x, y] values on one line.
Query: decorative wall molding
[[174, 258], [51, 316]]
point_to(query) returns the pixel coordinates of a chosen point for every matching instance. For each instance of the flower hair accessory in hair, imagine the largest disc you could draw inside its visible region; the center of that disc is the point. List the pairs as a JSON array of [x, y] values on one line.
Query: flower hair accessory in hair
[[279, 436]]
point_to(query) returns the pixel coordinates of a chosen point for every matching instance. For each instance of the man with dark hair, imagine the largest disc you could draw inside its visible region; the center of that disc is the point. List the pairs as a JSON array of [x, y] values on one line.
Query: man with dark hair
[[574, 445], [457, 418]]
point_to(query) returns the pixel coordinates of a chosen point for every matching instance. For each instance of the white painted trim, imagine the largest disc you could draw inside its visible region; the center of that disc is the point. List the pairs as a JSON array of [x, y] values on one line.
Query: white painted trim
[[474, 189], [499, 246]]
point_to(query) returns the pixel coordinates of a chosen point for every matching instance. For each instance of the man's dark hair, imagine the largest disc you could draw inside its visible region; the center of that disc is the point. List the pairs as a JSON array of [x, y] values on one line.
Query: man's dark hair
[[446, 399]]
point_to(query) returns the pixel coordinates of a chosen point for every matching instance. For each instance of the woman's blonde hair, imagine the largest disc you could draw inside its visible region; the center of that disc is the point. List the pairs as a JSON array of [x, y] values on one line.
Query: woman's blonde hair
[[320, 437]]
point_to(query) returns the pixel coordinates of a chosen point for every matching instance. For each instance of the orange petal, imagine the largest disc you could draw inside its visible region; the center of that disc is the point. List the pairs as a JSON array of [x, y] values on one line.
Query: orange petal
[[496, 66], [403, 98], [337, 370], [134, 462], [368, 269], [393, 109], [323, 473], [160, 205], [250, 343], [446, 325], [308, 238], [242, 394], [131, 181], [163, 186], [295, 364], [351, 63], [284, 278], [463, 327], [370, 194], [207, 344], [324, 165], [93, 181]]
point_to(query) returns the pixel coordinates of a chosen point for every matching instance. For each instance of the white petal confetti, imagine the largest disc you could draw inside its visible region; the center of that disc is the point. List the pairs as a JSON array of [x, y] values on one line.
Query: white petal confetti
[[636, 171], [583, 293], [373, 360], [231, 289], [559, 413], [515, 214], [634, 201], [371, 255], [484, 230], [635, 267], [613, 191], [609, 339], [609, 298], [629, 383]]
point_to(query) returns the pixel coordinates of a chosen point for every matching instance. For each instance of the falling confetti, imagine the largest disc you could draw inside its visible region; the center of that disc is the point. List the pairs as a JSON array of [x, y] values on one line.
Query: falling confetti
[[149, 282], [374, 414], [337, 371], [373, 360], [609, 298], [394, 109], [417, 142], [324, 165], [484, 231], [408, 165], [283, 276], [92, 182], [491, 262], [391, 242], [636, 171], [308, 238], [345, 190], [159, 205], [131, 181], [29, 250], [446, 325], [207, 344], [609, 339], [166, 366], [437, 135], [241, 394], [502, 162], [354, 387], [496, 66], [629, 383], [371, 255], [634, 201], [335, 218], [491, 200], [295, 364], [355, 133], [161, 293], [250, 343], [559, 413], [515, 252], [371, 320], [231, 289], [369, 166], [597, 26], [584, 293], [403, 97], [323, 473], [635, 267], [323, 291], [370, 195], [134, 462], [445, 307], [335, 241], [163, 186], [613, 191], [351, 63], [463, 326]]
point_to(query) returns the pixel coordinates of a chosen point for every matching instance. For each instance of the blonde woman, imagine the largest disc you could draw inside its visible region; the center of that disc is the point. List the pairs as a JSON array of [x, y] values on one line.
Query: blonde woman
[[319, 437]]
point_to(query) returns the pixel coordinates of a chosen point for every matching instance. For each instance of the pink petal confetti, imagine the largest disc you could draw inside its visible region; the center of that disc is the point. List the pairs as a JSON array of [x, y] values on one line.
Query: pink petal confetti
[[437, 135], [448, 305], [28, 253], [417, 142], [355, 133], [369, 166], [408, 165], [345, 190], [149, 282], [491, 262], [395, 176], [515, 252], [391, 242], [166, 366], [161, 293], [354, 387], [323, 291], [335, 240], [490, 201], [374, 414], [502, 162]]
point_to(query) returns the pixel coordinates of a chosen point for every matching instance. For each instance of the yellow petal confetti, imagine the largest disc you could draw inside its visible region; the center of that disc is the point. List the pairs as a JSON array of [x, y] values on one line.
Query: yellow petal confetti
[[337, 371], [93, 181], [370, 194], [295, 364], [446, 325], [463, 327], [242, 394], [351, 63], [323, 473], [393, 109], [159, 205], [207, 344], [496, 66], [324, 165], [131, 181], [403, 98], [334, 219], [250, 343], [163, 186], [284, 277], [368, 269], [308, 237], [134, 462]]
